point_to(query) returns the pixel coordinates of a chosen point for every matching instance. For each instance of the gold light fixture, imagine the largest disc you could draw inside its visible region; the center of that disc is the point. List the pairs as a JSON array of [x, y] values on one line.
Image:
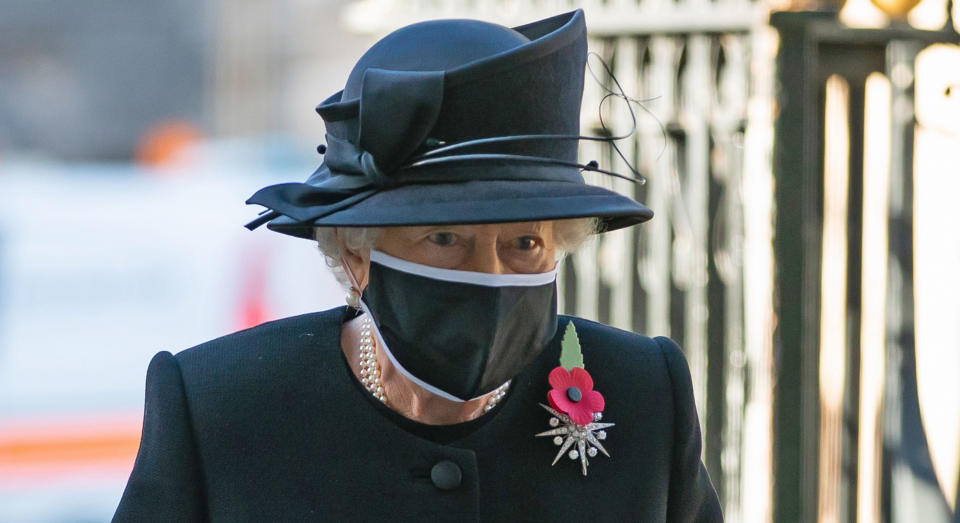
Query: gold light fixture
[[896, 9]]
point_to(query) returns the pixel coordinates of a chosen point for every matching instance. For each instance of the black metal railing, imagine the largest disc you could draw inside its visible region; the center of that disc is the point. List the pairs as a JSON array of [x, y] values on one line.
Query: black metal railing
[[816, 442]]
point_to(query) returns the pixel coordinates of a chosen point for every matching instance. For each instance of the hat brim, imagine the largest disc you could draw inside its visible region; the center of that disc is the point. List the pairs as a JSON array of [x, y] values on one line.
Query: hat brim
[[474, 202]]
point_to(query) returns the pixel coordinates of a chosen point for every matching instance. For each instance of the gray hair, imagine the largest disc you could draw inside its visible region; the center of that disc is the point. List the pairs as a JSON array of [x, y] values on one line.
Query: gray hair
[[568, 235]]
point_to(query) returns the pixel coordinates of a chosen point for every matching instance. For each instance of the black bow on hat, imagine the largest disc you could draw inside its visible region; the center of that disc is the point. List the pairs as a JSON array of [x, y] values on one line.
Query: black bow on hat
[[390, 101]]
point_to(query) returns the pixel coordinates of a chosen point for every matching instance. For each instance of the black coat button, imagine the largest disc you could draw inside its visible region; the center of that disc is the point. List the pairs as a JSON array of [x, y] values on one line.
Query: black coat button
[[446, 475]]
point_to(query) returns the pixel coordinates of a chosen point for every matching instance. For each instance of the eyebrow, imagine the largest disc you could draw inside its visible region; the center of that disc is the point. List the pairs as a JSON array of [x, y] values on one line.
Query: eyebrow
[[509, 227], [527, 226]]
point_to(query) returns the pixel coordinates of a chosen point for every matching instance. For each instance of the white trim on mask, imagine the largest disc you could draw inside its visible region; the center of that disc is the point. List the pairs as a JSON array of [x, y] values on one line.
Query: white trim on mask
[[475, 278], [382, 345]]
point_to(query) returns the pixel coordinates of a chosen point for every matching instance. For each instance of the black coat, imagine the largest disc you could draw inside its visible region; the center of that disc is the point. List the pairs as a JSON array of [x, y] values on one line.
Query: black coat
[[268, 424]]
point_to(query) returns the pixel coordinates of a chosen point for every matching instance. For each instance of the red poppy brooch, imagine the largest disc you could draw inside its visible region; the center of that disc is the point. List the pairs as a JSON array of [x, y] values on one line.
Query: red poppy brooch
[[575, 407]]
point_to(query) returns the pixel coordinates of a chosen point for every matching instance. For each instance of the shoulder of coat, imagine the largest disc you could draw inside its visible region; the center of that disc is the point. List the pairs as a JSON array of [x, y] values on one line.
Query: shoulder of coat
[[282, 339], [612, 345]]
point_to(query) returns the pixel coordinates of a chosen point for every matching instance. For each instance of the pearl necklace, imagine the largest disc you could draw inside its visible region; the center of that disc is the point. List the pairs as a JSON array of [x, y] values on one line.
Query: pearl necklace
[[370, 370]]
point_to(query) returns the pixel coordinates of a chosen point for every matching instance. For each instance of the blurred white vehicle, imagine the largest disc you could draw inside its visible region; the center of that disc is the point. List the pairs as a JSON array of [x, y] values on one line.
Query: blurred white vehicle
[[100, 268]]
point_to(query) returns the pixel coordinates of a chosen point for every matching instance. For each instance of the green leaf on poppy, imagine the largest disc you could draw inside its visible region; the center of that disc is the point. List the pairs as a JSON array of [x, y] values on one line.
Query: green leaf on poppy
[[570, 354]]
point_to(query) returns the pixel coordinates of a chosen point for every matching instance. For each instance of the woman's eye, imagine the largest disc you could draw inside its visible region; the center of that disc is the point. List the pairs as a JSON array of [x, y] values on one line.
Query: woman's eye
[[526, 243], [442, 239]]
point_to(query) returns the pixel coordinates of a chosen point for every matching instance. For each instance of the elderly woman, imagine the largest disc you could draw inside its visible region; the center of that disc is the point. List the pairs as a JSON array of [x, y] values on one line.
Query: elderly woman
[[448, 389]]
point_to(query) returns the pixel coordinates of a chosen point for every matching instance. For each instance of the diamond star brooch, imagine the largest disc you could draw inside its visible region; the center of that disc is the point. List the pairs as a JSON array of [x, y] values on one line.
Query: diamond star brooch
[[575, 407]]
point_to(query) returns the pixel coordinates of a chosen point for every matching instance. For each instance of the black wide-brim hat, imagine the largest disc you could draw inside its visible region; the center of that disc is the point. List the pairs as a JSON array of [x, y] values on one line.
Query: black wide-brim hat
[[454, 122]]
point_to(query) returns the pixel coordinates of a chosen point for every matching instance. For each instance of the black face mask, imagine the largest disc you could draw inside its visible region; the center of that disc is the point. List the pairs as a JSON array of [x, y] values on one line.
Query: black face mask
[[459, 334]]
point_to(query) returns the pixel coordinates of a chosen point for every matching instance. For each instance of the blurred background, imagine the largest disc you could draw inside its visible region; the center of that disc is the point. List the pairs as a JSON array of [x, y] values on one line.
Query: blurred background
[[802, 159]]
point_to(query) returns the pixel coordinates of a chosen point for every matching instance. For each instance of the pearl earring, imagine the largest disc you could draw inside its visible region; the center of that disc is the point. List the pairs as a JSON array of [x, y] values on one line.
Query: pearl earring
[[353, 298]]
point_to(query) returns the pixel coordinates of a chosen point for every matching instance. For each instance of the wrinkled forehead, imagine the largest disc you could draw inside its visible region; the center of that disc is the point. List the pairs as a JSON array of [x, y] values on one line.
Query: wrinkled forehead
[[540, 225]]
